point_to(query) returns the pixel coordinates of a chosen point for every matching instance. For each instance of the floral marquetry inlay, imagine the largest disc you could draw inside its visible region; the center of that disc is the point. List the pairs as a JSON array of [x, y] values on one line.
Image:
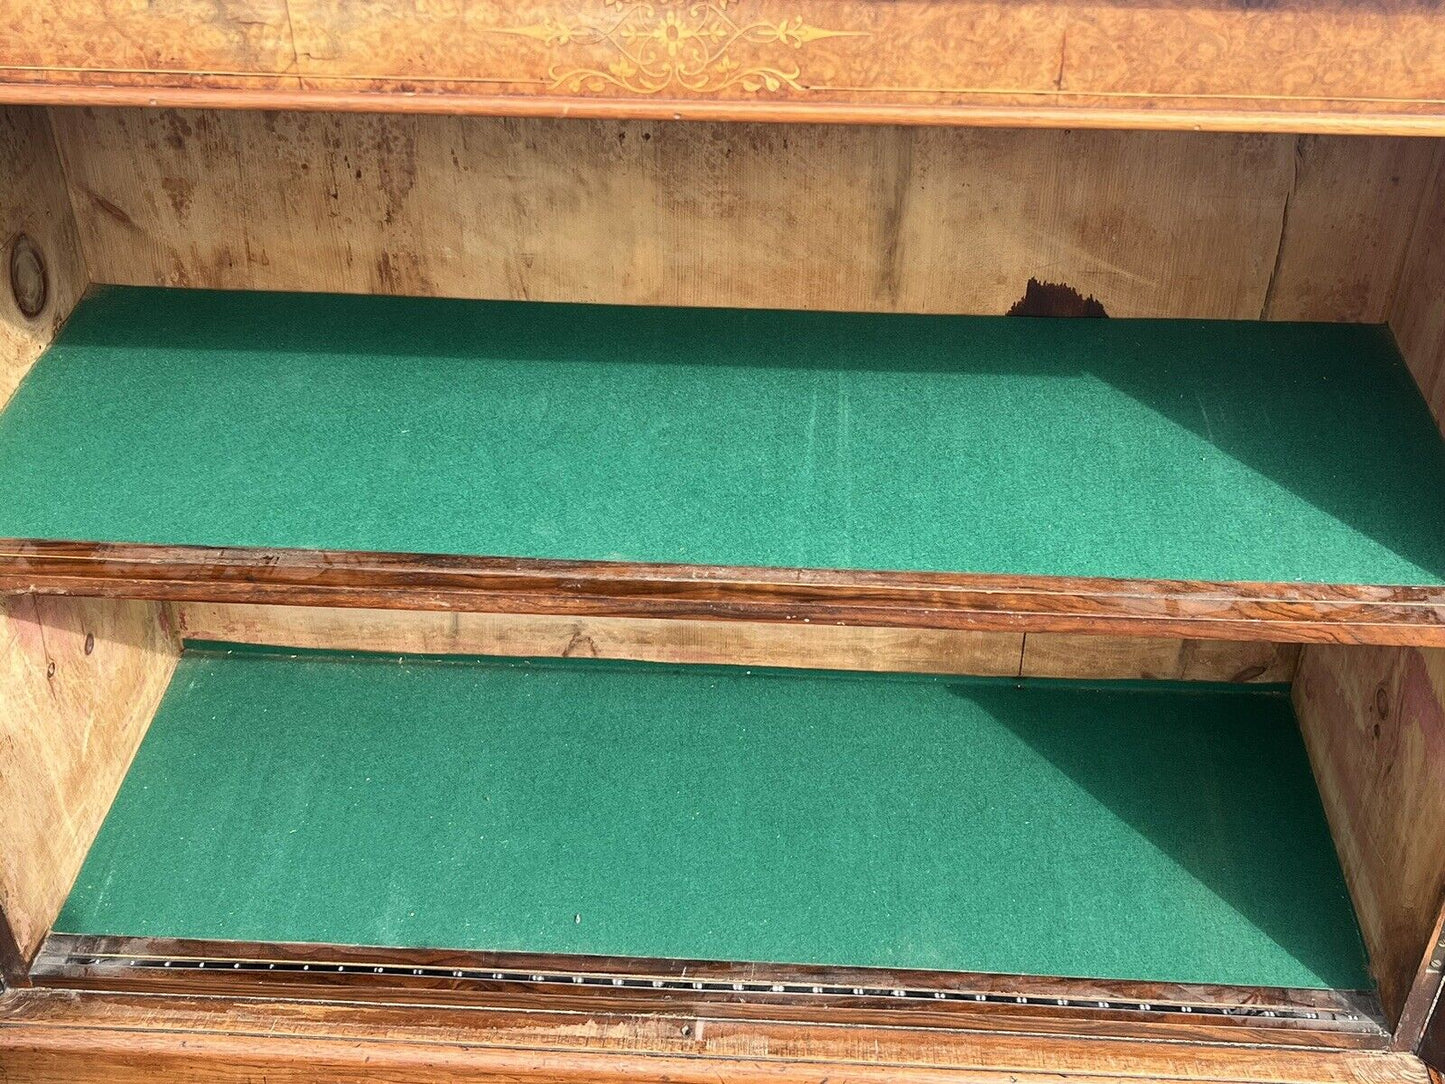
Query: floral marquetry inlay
[[689, 45]]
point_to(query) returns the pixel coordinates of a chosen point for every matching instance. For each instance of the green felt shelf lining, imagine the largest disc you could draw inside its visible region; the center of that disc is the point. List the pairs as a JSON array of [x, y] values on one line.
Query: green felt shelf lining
[[1139, 830], [1135, 448]]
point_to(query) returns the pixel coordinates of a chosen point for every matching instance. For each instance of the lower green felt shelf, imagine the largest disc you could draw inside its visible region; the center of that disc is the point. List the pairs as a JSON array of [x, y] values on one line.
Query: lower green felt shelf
[[1153, 831], [1150, 449]]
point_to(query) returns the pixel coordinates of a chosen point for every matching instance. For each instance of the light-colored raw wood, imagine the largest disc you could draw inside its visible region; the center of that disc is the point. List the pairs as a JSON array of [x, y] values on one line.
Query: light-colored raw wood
[[929, 220], [34, 202], [1418, 314], [79, 682], [829, 647], [1288, 65], [1374, 721], [1063, 655], [1351, 210], [541, 635], [49, 1037]]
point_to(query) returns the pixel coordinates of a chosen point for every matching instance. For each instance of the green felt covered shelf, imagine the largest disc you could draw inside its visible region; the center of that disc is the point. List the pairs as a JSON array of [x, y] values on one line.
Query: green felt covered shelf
[[1153, 831], [1129, 448]]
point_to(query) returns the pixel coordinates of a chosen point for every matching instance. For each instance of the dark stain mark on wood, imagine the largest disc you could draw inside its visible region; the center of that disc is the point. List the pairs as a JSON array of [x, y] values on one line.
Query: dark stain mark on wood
[[111, 209], [1055, 299]]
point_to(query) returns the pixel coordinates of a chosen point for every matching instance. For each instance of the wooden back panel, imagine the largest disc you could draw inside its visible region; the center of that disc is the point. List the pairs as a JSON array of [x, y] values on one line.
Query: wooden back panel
[[792, 216]]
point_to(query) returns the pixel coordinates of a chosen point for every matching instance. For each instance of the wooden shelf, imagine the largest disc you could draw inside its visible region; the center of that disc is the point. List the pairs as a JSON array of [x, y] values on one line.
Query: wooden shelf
[[930, 1001], [1200, 479], [1276, 612], [113, 1038], [1108, 830], [1299, 65]]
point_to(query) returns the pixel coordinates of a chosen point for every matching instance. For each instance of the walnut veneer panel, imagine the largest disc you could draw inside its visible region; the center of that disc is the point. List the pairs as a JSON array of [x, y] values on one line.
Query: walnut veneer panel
[[1322, 65]]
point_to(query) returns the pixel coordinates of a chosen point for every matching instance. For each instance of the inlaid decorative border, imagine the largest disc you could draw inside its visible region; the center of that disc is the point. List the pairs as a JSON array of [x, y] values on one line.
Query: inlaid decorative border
[[676, 45]]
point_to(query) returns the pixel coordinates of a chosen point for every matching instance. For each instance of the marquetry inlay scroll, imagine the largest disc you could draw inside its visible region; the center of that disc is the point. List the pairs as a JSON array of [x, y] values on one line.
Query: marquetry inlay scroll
[[681, 46]]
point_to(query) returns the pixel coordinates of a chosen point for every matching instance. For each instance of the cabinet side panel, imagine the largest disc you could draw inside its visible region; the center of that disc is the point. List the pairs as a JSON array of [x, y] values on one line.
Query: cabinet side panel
[[749, 215], [80, 680], [1418, 314], [1374, 722], [38, 243]]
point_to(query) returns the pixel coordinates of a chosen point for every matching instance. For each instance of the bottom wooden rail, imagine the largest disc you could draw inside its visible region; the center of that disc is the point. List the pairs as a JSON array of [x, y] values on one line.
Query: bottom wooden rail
[[801, 995], [49, 1036]]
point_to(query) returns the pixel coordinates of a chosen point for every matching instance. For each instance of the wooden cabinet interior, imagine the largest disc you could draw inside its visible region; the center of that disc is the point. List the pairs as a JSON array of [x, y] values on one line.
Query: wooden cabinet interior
[[1147, 224], [1371, 718]]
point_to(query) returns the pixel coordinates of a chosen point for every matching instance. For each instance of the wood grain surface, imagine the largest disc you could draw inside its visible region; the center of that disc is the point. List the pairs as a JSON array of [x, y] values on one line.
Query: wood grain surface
[[1027, 1004], [80, 680], [49, 1036], [1418, 313], [1374, 723], [1278, 613], [742, 643], [746, 215], [34, 204], [1305, 65]]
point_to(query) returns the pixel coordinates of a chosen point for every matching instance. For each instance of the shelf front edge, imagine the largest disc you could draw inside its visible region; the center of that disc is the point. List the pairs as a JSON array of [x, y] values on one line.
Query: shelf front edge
[[1284, 613], [1242, 115], [1279, 1016]]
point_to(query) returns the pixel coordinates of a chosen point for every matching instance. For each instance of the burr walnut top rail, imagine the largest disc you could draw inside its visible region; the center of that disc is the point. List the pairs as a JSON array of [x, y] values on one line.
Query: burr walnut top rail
[[1299, 65]]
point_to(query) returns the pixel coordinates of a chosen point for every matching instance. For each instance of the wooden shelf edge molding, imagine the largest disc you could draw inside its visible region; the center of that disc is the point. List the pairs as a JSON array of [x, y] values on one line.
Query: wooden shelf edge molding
[[1240, 115], [1282, 613], [1022, 1004], [1295, 65], [49, 1036]]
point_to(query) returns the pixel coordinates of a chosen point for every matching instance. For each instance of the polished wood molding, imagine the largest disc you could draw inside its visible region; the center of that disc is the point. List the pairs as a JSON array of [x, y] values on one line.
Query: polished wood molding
[[1295, 65], [1282, 613], [742, 991], [975, 114], [67, 1037]]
